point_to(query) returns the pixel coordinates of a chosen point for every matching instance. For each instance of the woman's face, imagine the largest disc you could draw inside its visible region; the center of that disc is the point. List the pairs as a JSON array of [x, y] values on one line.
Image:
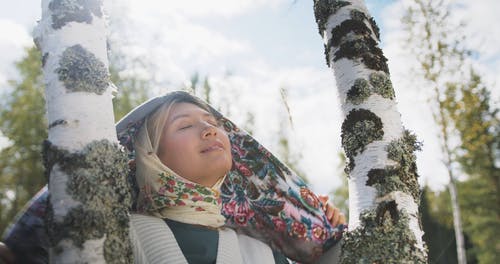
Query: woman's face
[[194, 146]]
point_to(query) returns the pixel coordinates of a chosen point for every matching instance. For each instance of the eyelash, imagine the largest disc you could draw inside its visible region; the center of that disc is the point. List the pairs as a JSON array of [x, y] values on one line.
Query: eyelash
[[213, 123]]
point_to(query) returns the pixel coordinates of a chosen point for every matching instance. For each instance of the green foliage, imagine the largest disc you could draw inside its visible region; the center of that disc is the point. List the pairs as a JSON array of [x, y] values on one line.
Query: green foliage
[[478, 126], [23, 122]]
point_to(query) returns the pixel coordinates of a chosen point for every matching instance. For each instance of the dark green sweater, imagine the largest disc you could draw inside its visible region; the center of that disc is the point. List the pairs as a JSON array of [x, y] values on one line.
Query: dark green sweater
[[199, 244]]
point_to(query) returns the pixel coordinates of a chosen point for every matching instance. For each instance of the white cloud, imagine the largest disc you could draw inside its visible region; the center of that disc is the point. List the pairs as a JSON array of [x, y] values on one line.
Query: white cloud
[[481, 18], [25, 12], [481, 26], [172, 44]]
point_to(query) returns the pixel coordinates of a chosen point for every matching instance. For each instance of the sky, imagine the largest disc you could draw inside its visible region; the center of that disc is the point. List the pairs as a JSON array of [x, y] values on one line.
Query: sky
[[250, 49]]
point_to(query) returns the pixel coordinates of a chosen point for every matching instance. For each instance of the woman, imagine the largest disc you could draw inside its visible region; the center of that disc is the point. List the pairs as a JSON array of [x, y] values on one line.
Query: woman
[[199, 172], [208, 192]]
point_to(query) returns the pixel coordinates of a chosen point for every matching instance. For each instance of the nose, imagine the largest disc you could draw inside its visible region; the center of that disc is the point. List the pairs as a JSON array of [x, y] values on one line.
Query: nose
[[208, 130]]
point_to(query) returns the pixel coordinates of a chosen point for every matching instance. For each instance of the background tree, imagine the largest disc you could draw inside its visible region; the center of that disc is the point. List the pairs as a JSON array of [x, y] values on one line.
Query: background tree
[[132, 91], [477, 124], [383, 189], [439, 234], [468, 125], [438, 60], [23, 122]]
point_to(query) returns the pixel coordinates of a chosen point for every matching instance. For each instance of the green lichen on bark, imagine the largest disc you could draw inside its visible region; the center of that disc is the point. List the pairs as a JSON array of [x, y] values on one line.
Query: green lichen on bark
[[360, 128], [387, 180], [44, 58], [358, 15], [382, 85], [359, 91], [97, 177], [403, 151], [323, 9], [65, 11], [82, 71], [341, 31], [383, 238], [403, 176]]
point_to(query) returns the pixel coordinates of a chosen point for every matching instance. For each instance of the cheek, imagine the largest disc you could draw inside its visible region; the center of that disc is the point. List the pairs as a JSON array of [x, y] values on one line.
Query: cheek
[[227, 143], [181, 144], [176, 148]]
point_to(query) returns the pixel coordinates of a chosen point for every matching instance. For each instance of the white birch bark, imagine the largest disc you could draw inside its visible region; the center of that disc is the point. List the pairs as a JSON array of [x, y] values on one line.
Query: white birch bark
[[383, 187], [72, 38]]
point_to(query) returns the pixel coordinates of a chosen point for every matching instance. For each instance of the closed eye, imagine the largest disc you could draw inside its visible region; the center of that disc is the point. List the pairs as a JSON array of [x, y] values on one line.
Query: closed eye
[[185, 127]]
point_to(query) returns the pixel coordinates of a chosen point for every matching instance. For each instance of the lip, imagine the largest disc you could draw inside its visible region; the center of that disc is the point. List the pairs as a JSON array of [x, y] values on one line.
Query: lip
[[215, 146]]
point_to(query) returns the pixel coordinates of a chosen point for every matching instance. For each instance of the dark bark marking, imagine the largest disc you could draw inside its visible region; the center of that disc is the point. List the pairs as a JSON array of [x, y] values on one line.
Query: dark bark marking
[[364, 48], [360, 128], [323, 9], [45, 56], [375, 28], [65, 11], [361, 45], [376, 176], [352, 25], [387, 210], [82, 71], [58, 122], [98, 179]]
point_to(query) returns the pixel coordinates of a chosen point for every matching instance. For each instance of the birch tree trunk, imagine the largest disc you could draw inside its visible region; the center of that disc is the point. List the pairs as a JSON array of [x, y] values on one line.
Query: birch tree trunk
[[87, 217], [384, 194]]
